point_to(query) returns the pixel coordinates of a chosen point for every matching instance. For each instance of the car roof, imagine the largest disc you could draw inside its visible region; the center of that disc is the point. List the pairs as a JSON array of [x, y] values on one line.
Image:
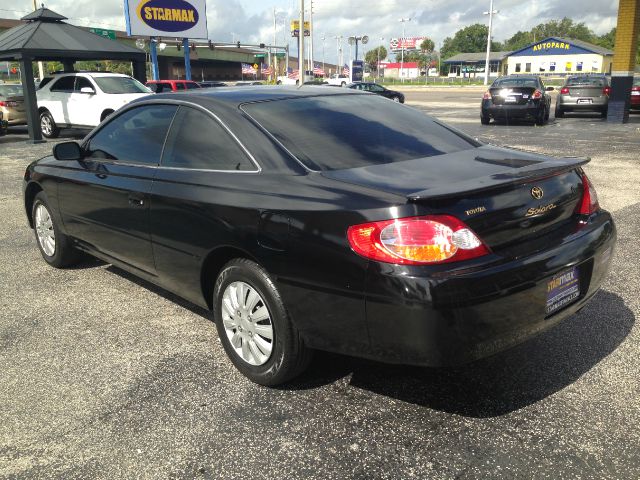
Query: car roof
[[93, 74], [235, 96]]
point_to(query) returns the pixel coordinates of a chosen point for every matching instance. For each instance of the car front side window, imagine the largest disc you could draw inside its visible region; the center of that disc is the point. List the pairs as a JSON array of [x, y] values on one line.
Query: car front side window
[[135, 136]]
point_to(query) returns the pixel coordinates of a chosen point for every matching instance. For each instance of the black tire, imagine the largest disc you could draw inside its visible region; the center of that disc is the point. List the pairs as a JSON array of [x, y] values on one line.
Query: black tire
[[105, 114], [396, 99], [48, 125], [547, 113], [559, 112], [540, 117], [289, 356], [485, 119], [343, 84], [64, 254], [603, 113]]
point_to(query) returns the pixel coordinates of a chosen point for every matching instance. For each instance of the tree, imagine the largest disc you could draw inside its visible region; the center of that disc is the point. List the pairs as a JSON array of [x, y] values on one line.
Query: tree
[[427, 45], [563, 28], [371, 57], [471, 39], [517, 41]]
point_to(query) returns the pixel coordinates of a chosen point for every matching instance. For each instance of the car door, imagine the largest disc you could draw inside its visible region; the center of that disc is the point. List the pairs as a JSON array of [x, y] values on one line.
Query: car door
[[194, 198], [56, 100], [82, 106], [104, 198]]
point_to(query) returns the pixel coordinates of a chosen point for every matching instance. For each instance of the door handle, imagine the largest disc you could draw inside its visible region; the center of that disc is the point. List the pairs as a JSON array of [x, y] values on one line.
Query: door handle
[[136, 201]]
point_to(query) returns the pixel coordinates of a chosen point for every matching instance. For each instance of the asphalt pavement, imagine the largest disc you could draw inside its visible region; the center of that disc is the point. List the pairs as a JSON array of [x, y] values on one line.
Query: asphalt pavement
[[104, 376]]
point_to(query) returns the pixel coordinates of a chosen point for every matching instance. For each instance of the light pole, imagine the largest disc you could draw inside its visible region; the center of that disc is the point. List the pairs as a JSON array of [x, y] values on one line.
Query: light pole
[[378, 64], [491, 12], [403, 21], [338, 51], [323, 39]]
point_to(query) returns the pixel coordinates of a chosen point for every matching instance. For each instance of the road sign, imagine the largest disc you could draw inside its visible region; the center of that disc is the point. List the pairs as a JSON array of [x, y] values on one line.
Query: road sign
[[255, 66], [260, 55], [280, 54], [111, 34]]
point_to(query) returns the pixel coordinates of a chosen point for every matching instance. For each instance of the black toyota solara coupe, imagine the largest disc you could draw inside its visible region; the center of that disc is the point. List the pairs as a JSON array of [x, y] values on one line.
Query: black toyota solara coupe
[[326, 219]]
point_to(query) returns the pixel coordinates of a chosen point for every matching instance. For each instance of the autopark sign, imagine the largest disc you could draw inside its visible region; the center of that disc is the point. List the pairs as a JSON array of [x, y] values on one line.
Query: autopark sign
[[156, 18], [407, 43]]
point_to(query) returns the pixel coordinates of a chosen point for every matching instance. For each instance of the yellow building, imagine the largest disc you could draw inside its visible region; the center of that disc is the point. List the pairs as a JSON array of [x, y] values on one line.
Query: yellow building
[[559, 56]]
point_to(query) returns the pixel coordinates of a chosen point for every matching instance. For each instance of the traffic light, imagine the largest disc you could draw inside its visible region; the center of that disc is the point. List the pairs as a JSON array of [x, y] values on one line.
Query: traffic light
[[210, 45], [238, 44], [193, 47], [178, 46], [262, 45]]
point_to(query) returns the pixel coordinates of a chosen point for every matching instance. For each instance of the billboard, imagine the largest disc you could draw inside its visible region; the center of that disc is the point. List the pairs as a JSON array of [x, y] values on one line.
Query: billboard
[[409, 43], [166, 18], [295, 28]]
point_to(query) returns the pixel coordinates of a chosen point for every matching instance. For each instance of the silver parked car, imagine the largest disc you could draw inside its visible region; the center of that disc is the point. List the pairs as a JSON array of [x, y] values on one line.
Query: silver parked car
[[584, 93]]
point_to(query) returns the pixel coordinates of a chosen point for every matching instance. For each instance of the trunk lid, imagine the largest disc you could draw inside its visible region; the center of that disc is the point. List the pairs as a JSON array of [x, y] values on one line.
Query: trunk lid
[[511, 95], [504, 195]]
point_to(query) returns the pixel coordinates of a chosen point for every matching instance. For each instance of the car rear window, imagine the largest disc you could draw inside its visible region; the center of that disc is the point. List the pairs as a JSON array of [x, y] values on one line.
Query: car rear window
[[636, 82], [10, 90], [346, 131], [516, 82], [587, 81]]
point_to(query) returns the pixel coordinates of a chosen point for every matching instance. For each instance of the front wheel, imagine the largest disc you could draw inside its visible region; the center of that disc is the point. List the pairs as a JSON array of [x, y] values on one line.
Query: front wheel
[[48, 125], [254, 326], [396, 99], [55, 246], [559, 112]]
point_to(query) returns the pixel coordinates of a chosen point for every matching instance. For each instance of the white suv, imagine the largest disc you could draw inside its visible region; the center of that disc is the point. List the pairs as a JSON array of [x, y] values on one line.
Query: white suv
[[83, 100]]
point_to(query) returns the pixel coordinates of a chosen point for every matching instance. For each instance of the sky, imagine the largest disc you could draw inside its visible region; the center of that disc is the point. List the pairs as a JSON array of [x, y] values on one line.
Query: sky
[[251, 21]]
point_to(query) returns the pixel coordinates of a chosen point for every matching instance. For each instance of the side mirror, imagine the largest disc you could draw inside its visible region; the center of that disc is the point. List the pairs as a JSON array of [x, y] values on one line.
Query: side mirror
[[88, 90], [550, 89], [67, 151]]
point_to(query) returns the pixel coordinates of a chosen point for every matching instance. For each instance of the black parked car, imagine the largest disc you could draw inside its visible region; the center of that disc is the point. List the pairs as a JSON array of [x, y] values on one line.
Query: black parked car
[[306, 220], [516, 97], [212, 84], [378, 90]]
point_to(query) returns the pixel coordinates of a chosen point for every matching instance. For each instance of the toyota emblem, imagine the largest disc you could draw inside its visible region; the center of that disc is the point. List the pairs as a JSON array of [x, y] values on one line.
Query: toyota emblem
[[537, 193]]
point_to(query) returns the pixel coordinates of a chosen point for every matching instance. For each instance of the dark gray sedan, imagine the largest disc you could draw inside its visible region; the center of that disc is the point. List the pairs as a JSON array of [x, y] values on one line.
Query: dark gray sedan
[[584, 93]]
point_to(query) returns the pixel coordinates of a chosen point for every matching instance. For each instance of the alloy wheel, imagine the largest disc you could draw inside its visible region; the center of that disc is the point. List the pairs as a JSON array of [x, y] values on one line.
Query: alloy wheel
[[44, 230], [247, 323], [45, 125]]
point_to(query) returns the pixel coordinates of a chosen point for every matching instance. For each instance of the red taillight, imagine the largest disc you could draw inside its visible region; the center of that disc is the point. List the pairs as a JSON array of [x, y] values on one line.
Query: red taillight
[[416, 240], [3, 104], [537, 94], [606, 91], [487, 95], [589, 203], [564, 91]]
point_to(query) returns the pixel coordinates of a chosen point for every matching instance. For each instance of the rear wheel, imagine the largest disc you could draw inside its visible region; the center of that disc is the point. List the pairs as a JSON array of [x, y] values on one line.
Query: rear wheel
[[603, 113], [559, 112], [55, 246], [48, 126], [254, 326], [396, 99], [540, 116]]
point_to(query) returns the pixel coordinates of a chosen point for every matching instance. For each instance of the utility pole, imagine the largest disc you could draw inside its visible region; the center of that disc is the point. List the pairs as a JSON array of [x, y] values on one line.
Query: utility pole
[[311, 37], [491, 12], [323, 39], [275, 42], [301, 46], [338, 51], [403, 21]]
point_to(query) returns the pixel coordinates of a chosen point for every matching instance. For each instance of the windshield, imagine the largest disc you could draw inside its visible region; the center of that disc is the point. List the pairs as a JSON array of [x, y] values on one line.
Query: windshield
[[516, 82], [636, 82], [334, 132], [10, 91], [120, 85], [587, 81]]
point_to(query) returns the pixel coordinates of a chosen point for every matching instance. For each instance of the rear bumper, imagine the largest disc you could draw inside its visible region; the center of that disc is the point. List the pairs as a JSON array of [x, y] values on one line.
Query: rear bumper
[[528, 110], [454, 317], [571, 103], [635, 101]]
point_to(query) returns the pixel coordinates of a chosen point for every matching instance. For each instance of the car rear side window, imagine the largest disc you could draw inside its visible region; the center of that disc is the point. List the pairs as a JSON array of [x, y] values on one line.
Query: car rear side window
[[587, 81], [345, 131], [136, 136], [191, 86], [179, 86], [198, 141], [81, 83], [64, 84]]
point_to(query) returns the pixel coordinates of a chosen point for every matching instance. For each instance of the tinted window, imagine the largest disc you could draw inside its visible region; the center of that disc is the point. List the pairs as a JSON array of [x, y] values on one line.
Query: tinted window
[[179, 86], [44, 81], [345, 131], [136, 136], [192, 85], [587, 81], [376, 88], [118, 85], [64, 84], [198, 141], [516, 82], [82, 82]]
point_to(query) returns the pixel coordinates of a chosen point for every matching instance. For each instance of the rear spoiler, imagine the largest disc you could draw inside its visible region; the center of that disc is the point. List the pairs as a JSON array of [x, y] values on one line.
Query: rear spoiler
[[535, 171]]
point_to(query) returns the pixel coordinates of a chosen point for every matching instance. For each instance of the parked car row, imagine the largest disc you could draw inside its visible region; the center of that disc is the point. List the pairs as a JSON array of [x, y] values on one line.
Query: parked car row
[[526, 97]]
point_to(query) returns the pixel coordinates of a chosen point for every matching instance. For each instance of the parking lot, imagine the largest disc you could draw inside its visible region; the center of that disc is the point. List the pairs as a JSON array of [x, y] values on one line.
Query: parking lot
[[106, 376]]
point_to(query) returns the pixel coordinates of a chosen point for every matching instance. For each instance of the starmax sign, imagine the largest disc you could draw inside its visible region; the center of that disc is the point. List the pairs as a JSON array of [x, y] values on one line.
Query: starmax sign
[[157, 18]]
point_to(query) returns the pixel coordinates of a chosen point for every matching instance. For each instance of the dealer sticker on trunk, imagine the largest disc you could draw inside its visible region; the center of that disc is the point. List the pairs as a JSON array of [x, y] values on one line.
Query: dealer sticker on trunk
[[562, 289]]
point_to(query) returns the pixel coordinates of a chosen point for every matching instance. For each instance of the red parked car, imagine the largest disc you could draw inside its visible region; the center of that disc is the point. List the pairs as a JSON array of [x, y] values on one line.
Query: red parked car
[[159, 86], [635, 94]]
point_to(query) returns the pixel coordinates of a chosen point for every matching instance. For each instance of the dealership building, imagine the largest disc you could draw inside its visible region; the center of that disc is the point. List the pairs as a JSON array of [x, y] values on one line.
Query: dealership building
[[553, 56], [560, 56]]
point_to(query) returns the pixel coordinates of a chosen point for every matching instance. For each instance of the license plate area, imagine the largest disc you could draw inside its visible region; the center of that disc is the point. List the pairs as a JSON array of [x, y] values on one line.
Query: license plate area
[[510, 100], [562, 290], [585, 100]]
